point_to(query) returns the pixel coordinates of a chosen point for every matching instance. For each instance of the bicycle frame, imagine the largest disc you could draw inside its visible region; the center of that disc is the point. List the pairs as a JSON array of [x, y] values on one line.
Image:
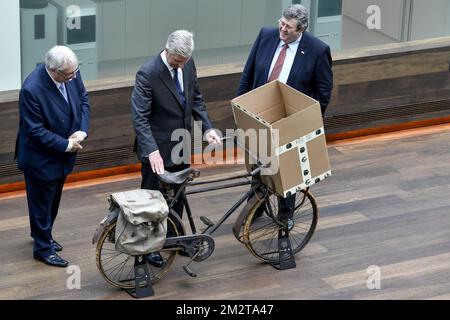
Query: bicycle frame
[[256, 183], [182, 195], [198, 246]]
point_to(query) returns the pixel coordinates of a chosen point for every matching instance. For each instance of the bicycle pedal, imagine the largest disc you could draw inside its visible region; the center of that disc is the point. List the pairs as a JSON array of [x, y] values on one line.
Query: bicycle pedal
[[189, 271], [206, 221]]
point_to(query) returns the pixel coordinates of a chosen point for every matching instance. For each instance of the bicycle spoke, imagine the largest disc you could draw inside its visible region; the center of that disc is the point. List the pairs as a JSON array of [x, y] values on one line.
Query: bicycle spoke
[[110, 259], [262, 227], [114, 267], [267, 233], [262, 236], [118, 267]]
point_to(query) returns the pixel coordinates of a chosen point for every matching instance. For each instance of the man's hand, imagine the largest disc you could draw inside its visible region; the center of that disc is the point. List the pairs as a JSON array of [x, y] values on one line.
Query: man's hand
[[78, 136], [213, 138], [156, 162], [75, 145]]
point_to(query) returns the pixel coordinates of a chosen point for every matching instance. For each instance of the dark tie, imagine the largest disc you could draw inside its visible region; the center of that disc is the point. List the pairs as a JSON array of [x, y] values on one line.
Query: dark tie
[[279, 64], [178, 86]]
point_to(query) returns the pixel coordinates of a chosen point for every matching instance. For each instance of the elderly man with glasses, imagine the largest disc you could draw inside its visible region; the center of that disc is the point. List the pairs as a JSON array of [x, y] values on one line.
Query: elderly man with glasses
[[54, 119]]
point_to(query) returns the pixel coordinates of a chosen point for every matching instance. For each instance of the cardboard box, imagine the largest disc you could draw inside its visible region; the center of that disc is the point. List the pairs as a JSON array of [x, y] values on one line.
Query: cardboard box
[[300, 154]]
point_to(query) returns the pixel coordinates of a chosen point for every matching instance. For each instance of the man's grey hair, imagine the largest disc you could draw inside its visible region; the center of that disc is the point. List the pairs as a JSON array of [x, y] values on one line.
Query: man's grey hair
[[299, 12], [60, 58], [180, 42]]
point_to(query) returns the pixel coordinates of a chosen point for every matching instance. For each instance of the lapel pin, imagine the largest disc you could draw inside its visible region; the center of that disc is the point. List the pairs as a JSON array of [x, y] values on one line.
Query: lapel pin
[[303, 52]]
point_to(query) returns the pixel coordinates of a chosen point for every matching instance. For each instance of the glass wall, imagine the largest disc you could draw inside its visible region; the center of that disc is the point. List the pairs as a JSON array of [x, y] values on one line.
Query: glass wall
[[398, 20], [112, 38]]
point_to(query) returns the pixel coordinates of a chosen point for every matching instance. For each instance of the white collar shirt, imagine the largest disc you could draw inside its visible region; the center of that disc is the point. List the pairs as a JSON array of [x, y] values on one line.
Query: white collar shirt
[[288, 61], [57, 84], [171, 70]]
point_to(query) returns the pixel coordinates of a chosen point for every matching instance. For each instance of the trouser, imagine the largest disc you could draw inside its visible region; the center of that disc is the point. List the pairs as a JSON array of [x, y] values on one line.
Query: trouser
[[43, 203], [286, 207], [150, 180]]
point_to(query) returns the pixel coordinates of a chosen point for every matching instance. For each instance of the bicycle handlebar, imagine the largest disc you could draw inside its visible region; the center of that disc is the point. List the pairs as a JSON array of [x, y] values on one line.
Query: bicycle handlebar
[[260, 165]]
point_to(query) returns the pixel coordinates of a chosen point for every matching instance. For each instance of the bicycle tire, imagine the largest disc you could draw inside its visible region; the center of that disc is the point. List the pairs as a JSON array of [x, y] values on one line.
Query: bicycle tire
[[121, 273], [260, 233]]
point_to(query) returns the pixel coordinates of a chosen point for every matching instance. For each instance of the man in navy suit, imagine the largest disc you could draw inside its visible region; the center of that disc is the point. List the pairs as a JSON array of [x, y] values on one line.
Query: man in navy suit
[[307, 60], [294, 57], [165, 98], [54, 119]]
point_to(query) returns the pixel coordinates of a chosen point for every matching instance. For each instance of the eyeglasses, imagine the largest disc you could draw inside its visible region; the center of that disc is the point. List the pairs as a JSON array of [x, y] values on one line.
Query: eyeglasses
[[68, 75], [285, 25]]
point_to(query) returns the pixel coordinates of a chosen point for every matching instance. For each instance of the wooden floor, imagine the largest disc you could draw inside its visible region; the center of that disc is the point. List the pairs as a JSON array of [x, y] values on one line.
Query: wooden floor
[[387, 204]]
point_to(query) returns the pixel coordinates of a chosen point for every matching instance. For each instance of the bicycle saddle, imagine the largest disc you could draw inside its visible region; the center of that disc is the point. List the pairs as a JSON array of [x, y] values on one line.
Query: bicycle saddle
[[178, 177]]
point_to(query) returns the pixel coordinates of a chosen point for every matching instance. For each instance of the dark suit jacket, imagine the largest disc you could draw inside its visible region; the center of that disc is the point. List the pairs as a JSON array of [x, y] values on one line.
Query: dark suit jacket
[[157, 110], [311, 71], [46, 122]]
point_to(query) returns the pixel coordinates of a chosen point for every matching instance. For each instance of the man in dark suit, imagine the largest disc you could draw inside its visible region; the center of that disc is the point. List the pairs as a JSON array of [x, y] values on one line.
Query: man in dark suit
[[294, 57], [165, 98], [54, 119], [304, 62]]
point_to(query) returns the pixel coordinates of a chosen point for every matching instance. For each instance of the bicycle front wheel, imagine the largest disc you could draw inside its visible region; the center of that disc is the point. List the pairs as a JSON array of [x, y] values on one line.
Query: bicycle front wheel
[[262, 226], [118, 268]]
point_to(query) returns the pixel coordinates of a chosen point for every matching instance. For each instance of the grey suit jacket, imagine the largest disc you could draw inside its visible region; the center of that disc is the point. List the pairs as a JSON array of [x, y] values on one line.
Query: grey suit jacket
[[157, 111]]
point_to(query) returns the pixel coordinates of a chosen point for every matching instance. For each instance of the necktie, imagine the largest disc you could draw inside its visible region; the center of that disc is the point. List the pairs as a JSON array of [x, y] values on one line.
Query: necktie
[[178, 86], [62, 88], [279, 64]]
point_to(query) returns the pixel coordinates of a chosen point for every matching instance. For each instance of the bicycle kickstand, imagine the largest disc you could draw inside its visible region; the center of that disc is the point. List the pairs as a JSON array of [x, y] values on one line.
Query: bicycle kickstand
[[286, 259], [142, 281]]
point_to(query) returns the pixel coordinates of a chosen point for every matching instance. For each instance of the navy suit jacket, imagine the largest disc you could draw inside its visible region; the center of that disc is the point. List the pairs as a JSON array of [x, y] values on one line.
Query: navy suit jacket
[[46, 122], [157, 110], [310, 73]]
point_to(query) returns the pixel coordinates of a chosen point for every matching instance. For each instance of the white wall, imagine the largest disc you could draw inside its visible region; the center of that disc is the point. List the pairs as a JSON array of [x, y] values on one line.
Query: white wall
[[354, 29], [430, 21], [10, 40], [391, 15]]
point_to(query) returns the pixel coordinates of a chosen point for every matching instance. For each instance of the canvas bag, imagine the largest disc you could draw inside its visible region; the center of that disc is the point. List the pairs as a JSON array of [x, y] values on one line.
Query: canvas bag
[[142, 222]]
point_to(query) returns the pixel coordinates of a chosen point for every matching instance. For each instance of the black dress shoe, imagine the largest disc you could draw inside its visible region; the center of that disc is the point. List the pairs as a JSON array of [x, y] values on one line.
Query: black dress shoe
[[57, 246], [53, 260], [155, 259]]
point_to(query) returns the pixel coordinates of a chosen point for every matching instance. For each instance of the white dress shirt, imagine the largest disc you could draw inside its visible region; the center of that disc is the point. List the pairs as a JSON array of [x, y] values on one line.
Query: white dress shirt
[[288, 61], [171, 70]]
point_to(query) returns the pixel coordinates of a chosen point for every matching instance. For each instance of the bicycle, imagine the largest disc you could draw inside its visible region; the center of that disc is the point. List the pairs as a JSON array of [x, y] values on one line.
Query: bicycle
[[272, 235]]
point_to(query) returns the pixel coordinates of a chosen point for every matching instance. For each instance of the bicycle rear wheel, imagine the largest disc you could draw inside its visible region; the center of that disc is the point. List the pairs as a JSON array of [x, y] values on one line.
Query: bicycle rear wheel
[[260, 233], [118, 268]]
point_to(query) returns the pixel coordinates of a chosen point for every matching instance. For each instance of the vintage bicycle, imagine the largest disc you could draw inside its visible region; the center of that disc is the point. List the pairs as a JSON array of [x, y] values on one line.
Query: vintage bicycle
[[272, 235]]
